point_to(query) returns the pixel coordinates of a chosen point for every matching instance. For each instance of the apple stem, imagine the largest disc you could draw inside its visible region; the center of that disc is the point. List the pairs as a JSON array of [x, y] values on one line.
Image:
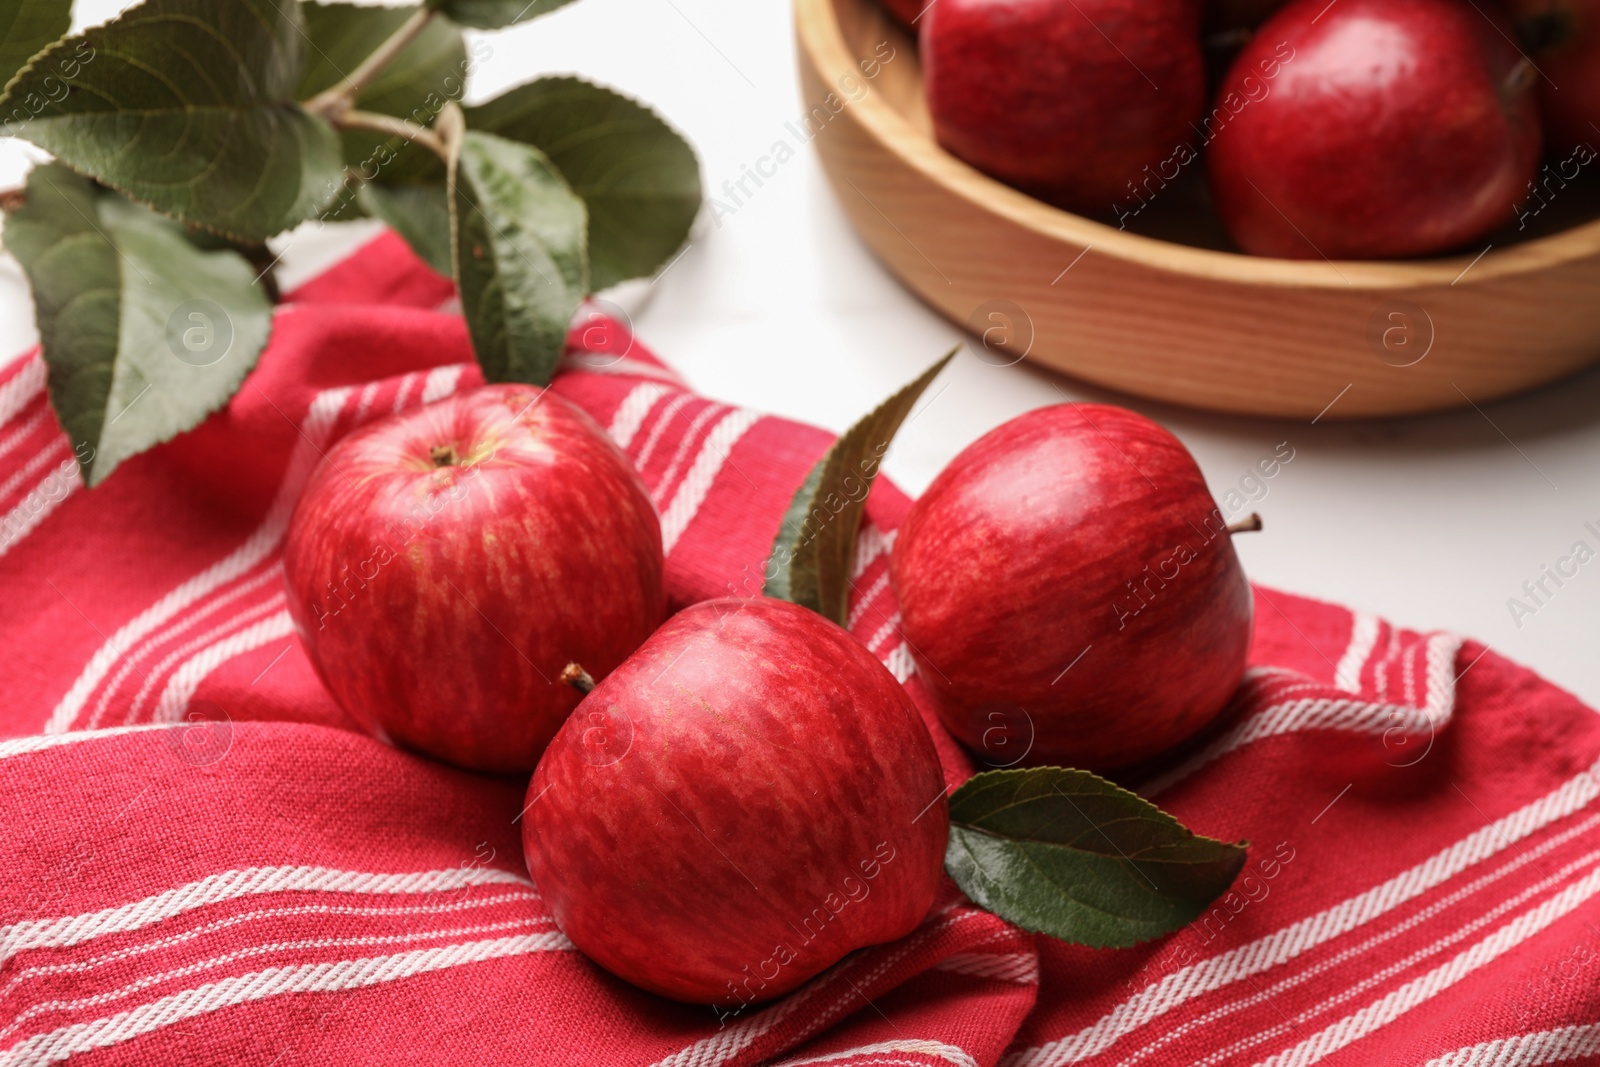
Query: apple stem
[[578, 678], [442, 455], [1521, 78], [1249, 524]]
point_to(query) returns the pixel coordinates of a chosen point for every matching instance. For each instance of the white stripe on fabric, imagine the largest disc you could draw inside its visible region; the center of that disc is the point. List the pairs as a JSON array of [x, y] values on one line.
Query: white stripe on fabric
[[1363, 635], [891, 626], [730, 1042], [38, 505], [1337, 714], [685, 443], [441, 382], [1021, 968], [26, 430], [714, 452], [631, 412], [24, 385], [364, 402], [332, 977], [1382, 1012], [130, 661], [1291, 941], [1527, 1050], [185, 680], [319, 422], [56, 447], [932, 1049], [403, 391], [1377, 978], [1327, 963], [231, 885], [296, 911], [662, 421], [314, 944], [900, 663], [865, 598], [1295, 716], [870, 544], [22, 746]]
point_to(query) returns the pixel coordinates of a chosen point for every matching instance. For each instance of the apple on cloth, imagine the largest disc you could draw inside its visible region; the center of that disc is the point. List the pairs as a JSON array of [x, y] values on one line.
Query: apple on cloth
[[212, 863]]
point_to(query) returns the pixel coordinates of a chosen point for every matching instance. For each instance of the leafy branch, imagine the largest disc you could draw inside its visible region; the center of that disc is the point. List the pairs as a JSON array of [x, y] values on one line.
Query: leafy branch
[[332, 103], [230, 122]]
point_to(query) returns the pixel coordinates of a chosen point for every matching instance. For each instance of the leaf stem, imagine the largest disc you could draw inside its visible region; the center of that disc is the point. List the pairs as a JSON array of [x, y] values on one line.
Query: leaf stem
[[333, 102], [395, 127]]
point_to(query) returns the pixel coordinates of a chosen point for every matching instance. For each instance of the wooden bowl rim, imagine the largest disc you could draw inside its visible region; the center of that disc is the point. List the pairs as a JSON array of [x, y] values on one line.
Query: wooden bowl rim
[[822, 38]]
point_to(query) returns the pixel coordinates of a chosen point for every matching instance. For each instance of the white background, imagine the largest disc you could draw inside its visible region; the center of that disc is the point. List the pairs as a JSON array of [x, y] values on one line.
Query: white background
[[1432, 522]]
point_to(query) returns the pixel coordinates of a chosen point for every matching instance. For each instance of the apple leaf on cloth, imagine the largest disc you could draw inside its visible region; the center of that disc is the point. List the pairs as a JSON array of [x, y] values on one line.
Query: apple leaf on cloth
[[493, 14], [1067, 853], [189, 106], [26, 26], [814, 550], [517, 232], [144, 333]]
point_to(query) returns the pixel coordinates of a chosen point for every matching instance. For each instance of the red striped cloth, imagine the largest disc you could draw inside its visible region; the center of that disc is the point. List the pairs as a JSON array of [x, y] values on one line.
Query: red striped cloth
[[205, 864]]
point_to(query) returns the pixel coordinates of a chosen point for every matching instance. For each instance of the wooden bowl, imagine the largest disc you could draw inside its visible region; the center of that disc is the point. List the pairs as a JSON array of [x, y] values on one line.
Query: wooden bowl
[[1168, 312]]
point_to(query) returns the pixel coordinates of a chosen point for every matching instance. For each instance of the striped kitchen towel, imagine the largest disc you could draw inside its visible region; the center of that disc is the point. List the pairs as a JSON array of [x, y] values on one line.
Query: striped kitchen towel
[[205, 863]]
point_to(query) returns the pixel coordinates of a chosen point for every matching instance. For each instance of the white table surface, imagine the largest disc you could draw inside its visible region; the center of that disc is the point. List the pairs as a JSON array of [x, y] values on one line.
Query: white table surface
[[1432, 522]]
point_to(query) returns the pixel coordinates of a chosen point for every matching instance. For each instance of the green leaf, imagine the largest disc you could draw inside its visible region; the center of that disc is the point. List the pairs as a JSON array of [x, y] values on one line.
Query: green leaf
[[414, 85], [493, 14], [26, 26], [639, 179], [418, 213], [518, 235], [189, 106], [816, 543], [143, 332], [1068, 854]]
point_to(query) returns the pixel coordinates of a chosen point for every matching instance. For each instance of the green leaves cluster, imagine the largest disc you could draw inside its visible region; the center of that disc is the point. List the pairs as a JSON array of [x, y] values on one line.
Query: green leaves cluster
[[189, 132], [1052, 850]]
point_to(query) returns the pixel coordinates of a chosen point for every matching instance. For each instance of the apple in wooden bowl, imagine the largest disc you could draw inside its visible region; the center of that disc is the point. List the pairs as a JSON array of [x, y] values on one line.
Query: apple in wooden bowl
[[1151, 296]]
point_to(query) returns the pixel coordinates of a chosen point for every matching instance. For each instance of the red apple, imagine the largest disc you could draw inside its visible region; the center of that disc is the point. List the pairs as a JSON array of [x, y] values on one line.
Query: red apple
[[1392, 128], [748, 798], [1071, 100], [444, 565], [1068, 580], [1566, 36]]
